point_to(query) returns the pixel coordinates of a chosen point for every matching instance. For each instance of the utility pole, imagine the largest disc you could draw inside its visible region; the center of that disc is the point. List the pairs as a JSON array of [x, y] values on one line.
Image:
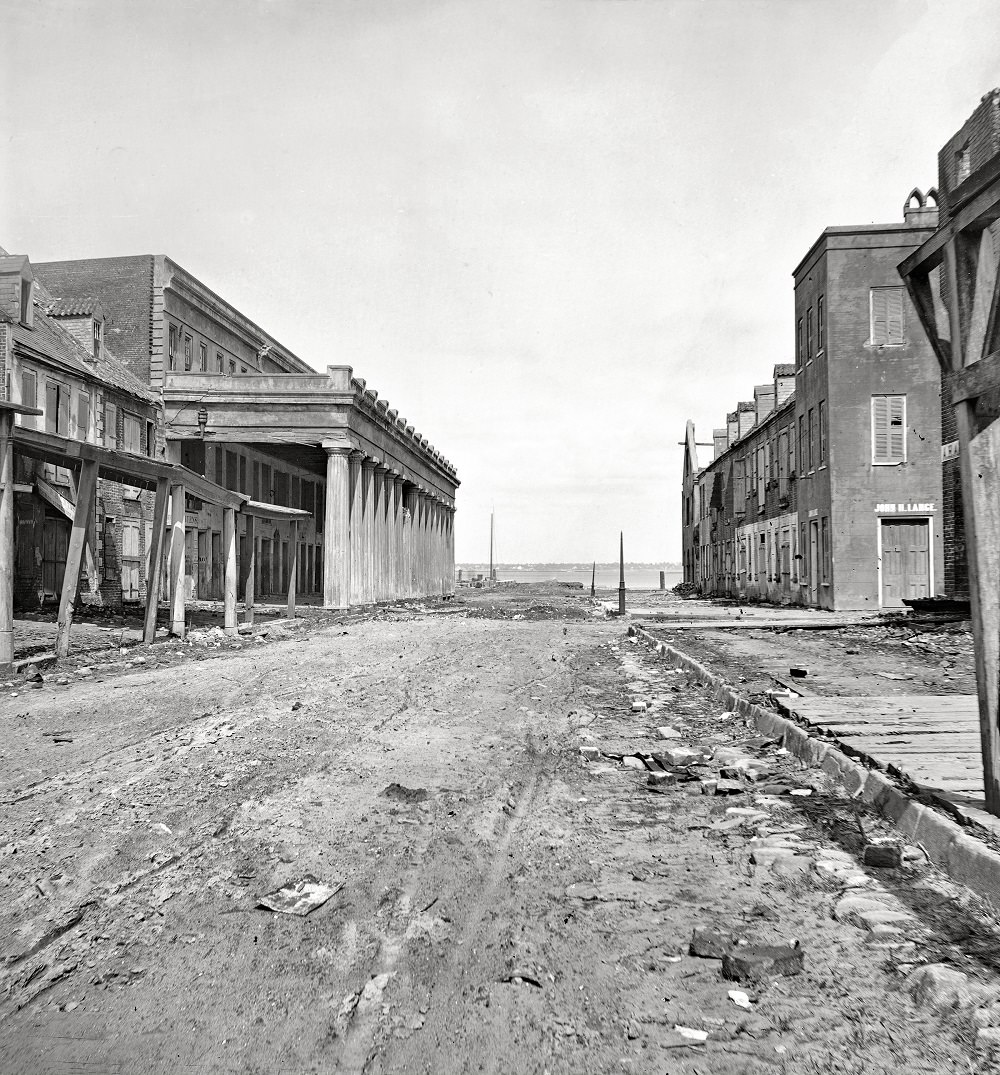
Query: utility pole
[[593, 577], [621, 574]]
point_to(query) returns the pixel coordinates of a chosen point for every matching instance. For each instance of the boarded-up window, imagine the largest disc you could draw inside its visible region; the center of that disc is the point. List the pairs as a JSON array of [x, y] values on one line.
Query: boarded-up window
[[888, 429], [887, 315]]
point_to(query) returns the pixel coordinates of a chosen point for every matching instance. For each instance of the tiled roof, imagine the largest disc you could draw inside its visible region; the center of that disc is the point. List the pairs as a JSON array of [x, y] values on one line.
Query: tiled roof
[[784, 369], [49, 338], [72, 307]]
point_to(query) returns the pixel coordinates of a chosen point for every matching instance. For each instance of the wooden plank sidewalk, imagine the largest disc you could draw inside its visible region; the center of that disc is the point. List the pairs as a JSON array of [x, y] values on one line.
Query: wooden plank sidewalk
[[932, 740]]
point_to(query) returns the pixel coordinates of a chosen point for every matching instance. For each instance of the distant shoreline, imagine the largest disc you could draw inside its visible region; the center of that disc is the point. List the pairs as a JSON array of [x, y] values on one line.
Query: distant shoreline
[[571, 566]]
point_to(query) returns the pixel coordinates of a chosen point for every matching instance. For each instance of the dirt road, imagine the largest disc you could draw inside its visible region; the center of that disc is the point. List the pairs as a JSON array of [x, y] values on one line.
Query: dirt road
[[506, 905]]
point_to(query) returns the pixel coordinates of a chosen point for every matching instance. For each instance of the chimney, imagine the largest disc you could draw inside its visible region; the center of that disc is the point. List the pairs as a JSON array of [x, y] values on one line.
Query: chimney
[[732, 427], [921, 210], [747, 416], [763, 397], [721, 439], [784, 382]]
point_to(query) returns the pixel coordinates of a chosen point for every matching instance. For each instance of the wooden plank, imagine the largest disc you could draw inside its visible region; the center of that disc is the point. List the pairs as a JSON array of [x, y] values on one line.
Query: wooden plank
[[273, 511], [229, 552], [177, 555], [293, 565], [251, 553], [155, 559], [86, 491], [979, 377], [6, 541]]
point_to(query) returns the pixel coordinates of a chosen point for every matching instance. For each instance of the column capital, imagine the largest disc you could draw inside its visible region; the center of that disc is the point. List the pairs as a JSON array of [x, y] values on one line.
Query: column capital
[[337, 445], [398, 478], [356, 455], [369, 462]]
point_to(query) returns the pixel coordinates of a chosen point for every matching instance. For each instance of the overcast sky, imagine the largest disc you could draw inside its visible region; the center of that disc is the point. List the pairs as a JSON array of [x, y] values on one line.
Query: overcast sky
[[548, 232]]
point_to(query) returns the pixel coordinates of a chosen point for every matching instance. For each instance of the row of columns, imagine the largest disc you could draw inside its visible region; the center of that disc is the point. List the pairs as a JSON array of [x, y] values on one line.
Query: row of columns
[[386, 538]]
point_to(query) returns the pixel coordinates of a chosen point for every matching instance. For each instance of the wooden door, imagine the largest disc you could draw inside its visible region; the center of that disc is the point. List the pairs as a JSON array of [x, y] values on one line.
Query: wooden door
[[190, 565], [218, 568], [55, 543], [131, 560], [814, 563], [204, 566], [905, 560]]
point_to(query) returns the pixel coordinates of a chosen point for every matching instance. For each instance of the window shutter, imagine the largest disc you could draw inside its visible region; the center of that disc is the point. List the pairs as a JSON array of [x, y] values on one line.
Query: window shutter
[[897, 430], [880, 429], [894, 314], [879, 318], [63, 414], [51, 407]]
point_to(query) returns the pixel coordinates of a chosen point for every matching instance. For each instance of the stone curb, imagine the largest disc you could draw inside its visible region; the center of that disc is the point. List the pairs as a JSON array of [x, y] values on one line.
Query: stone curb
[[950, 847]]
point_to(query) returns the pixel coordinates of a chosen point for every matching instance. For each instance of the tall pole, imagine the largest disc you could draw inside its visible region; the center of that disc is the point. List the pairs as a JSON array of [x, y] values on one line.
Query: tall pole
[[593, 579], [621, 574], [491, 547]]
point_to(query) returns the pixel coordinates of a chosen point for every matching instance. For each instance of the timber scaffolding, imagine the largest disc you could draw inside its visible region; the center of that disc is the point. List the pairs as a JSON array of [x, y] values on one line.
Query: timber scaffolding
[[954, 282], [169, 480]]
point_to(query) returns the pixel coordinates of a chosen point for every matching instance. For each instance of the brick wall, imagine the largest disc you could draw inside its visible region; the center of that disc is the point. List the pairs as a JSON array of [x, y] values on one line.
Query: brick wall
[[978, 137]]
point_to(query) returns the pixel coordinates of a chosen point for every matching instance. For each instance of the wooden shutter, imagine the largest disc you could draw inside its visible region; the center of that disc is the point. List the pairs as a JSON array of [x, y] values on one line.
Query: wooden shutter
[[894, 314], [880, 331], [880, 429], [63, 412], [110, 426], [897, 428], [51, 407]]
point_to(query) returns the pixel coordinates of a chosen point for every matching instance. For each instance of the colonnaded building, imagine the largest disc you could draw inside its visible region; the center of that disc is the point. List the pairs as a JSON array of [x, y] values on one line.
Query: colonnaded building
[[355, 505]]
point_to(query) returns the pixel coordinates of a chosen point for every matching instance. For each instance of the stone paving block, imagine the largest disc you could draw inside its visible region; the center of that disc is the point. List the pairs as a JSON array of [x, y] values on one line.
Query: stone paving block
[[750, 962]]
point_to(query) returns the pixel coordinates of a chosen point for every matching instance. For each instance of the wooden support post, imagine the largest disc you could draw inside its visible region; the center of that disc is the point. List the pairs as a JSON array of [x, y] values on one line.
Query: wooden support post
[[155, 559], [6, 541], [89, 560], [86, 488], [229, 552], [980, 471], [251, 571], [293, 568], [177, 571]]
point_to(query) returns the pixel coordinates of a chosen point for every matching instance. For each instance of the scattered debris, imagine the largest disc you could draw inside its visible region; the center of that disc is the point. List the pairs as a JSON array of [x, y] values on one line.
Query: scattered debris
[[740, 999], [299, 897], [399, 793], [749, 962]]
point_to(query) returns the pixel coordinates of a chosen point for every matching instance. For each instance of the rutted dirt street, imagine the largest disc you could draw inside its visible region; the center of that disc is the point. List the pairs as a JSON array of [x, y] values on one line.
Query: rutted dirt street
[[510, 896]]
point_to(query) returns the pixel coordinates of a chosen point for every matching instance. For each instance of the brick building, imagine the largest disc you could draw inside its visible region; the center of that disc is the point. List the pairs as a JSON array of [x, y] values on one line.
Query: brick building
[[54, 358], [831, 496]]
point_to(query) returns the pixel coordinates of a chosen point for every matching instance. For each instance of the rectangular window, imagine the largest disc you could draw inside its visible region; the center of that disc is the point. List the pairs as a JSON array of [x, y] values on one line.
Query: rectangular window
[[825, 546], [820, 326], [232, 367], [802, 442], [150, 439], [83, 415], [280, 487], [220, 362], [791, 448], [56, 408], [798, 344], [265, 484], [822, 432], [888, 429], [131, 434], [232, 470], [811, 443], [293, 496], [188, 352], [98, 337], [29, 396], [220, 465], [809, 334], [243, 473], [887, 315], [306, 496], [255, 480], [110, 426], [203, 357], [172, 348]]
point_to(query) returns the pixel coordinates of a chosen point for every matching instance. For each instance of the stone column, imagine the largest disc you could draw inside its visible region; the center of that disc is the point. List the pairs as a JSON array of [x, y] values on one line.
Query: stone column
[[368, 528], [336, 531], [409, 541], [357, 527], [378, 560], [450, 549], [398, 575], [390, 536]]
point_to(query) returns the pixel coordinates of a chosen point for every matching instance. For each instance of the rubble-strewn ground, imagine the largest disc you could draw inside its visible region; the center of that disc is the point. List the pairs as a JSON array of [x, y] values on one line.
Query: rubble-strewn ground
[[507, 905]]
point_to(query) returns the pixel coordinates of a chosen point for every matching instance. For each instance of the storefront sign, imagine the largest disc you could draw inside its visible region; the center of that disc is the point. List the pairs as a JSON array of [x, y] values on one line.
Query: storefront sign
[[903, 509], [949, 451]]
